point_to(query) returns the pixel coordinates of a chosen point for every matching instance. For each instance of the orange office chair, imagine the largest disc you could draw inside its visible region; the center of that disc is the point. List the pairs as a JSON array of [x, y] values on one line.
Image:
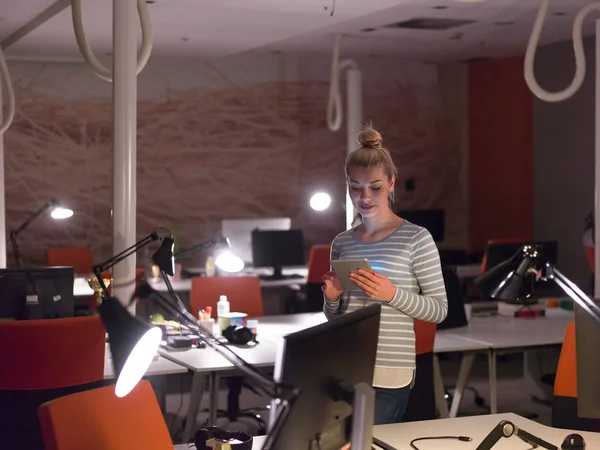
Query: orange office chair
[[99, 420], [421, 404], [564, 407], [80, 258], [318, 265], [244, 295], [43, 360]]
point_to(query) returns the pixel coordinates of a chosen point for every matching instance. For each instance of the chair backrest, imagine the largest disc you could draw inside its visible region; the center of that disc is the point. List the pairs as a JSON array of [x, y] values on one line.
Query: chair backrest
[[565, 383], [243, 294], [456, 300], [318, 262], [80, 258], [99, 420], [424, 336], [51, 353]]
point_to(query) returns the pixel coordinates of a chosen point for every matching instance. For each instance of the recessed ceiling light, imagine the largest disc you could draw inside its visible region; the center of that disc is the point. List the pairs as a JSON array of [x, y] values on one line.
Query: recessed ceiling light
[[439, 7], [560, 13], [368, 30]]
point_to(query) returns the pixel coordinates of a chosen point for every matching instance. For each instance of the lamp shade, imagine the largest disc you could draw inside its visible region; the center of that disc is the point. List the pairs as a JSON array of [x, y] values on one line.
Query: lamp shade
[[513, 279], [133, 344], [163, 257]]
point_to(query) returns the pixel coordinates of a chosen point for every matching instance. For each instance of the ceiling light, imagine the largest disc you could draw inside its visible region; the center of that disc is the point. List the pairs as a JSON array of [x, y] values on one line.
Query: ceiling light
[[439, 7]]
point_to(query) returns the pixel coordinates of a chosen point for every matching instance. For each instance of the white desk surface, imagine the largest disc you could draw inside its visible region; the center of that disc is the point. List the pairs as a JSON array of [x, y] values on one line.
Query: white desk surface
[[270, 331], [159, 366], [500, 332], [476, 427], [81, 288]]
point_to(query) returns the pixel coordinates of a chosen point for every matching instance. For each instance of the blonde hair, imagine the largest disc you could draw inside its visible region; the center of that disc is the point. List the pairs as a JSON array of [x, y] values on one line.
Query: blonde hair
[[371, 153]]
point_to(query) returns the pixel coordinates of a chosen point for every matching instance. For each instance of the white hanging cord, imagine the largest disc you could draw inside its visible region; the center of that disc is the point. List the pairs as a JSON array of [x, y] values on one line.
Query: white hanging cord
[[5, 75], [577, 47], [88, 54], [334, 104]]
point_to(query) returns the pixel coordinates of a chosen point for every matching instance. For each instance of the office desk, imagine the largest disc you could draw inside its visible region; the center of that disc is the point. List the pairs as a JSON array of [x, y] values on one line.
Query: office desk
[[207, 364], [477, 427], [503, 335]]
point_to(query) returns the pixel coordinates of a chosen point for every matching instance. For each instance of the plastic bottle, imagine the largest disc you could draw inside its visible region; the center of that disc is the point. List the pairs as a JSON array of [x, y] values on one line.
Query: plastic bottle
[[223, 312]]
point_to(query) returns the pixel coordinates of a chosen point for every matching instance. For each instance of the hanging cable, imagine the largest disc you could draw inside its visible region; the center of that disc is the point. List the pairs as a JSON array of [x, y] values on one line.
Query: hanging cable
[[577, 47], [334, 104], [88, 54], [5, 75]]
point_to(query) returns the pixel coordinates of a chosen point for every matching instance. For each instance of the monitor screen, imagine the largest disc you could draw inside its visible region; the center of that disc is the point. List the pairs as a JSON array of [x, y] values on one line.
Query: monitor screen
[[320, 360], [36, 293], [432, 219], [277, 249], [239, 233]]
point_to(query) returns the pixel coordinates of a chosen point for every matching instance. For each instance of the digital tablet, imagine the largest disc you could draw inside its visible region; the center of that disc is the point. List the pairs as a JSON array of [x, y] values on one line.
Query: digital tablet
[[343, 268]]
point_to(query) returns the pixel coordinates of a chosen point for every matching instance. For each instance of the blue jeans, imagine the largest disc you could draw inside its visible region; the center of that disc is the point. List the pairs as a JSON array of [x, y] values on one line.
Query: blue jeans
[[390, 404]]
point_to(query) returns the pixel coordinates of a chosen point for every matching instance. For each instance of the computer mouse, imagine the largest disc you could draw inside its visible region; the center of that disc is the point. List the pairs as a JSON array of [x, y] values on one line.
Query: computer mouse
[[573, 441]]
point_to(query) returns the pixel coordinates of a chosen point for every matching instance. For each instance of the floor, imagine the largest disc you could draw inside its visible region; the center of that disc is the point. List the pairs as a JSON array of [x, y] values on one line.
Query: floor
[[512, 397]]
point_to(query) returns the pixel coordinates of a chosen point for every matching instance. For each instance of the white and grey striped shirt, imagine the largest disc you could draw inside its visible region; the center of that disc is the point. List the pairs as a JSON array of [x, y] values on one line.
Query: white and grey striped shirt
[[410, 259]]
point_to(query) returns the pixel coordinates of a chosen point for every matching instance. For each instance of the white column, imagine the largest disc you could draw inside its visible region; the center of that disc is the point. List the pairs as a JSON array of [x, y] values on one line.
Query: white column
[[2, 189], [124, 163], [597, 170], [354, 126]]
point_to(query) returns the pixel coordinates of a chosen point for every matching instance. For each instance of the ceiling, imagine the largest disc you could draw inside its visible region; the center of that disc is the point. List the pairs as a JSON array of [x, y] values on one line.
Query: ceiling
[[219, 28]]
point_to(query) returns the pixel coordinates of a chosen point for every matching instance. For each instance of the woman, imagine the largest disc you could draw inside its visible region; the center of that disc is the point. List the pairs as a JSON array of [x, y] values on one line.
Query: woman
[[406, 279]]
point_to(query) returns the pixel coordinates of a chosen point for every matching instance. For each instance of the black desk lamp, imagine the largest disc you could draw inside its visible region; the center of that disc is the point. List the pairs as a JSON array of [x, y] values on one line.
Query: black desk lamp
[[115, 325], [226, 259], [133, 343], [513, 279], [57, 212]]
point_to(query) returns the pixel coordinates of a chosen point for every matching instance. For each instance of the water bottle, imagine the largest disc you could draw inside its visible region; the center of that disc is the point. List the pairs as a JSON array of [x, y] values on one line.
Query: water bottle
[[223, 312]]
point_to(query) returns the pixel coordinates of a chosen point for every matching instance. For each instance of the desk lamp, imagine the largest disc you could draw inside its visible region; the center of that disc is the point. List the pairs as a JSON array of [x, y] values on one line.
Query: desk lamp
[[132, 373], [133, 343], [511, 280], [226, 259], [57, 212]]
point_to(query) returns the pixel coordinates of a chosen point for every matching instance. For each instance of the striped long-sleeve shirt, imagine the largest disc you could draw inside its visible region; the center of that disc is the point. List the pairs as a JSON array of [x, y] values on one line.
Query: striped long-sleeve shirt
[[410, 259]]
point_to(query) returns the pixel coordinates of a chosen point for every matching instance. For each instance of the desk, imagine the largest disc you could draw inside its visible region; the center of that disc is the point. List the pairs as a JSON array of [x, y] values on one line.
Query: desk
[[507, 335], [185, 285], [477, 427], [206, 363]]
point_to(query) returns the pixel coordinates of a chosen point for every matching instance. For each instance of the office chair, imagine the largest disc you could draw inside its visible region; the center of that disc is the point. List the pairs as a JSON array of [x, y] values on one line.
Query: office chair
[[43, 360], [99, 420], [244, 295]]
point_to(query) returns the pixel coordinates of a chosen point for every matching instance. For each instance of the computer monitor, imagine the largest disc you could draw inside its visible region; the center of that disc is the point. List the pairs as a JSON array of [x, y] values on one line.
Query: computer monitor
[[36, 293], [332, 364], [432, 219], [239, 232], [277, 249]]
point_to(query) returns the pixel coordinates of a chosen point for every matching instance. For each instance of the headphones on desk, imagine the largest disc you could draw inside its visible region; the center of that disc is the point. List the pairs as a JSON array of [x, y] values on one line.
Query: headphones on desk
[[206, 434], [239, 335]]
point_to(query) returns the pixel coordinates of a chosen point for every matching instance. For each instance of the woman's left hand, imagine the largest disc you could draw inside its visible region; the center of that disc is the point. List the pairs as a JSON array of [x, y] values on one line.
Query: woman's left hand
[[376, 285]]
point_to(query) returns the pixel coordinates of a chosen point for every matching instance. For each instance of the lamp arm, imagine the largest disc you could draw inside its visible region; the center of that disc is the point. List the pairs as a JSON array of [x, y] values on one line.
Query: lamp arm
[[287, 395], [102, 267], [576, 294], [125, 253], [15, 248], [196, 248], [34, 216]]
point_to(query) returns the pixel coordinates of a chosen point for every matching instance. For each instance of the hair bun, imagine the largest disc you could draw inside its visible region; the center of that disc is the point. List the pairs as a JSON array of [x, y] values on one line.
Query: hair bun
[[370, 138]]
